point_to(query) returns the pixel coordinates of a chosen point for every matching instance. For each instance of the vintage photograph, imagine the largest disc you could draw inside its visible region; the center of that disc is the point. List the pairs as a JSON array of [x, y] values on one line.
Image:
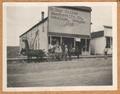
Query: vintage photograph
[[59, 45]]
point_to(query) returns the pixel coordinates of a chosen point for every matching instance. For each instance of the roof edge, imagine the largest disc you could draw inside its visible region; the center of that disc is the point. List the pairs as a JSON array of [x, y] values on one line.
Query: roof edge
[[107, 26], [97, 34], [82, 8], [34, 26]]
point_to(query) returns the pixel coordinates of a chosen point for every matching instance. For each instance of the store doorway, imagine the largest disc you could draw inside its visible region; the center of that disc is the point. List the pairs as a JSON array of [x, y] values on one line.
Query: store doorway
[[82, 46], [68, 41]]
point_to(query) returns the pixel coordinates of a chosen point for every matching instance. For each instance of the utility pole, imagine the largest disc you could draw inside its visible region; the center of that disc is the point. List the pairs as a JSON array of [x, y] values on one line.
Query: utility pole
[[42, 18]]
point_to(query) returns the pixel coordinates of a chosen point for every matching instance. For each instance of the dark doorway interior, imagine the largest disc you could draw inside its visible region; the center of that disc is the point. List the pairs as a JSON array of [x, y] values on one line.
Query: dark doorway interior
[[68, 41], [78, 47]]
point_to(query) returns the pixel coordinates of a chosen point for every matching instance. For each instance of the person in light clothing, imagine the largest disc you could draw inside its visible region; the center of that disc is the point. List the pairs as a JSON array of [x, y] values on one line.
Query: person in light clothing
[[106, 52], [58, 51], [66, 52]]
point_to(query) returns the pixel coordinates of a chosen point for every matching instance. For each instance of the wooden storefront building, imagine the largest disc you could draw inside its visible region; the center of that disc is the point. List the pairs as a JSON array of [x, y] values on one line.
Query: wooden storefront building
[[70, 25]]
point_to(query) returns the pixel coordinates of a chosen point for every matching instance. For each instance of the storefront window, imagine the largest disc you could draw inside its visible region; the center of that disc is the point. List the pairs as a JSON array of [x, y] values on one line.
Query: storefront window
[[88, 42], [85, 44], [108, 42]]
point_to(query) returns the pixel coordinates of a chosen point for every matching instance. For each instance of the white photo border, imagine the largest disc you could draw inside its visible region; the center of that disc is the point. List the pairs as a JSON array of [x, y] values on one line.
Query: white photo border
[[64, 88]]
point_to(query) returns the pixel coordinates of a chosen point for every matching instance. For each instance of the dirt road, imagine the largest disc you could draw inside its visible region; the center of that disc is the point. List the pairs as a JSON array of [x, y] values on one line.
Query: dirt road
[[79, 72]]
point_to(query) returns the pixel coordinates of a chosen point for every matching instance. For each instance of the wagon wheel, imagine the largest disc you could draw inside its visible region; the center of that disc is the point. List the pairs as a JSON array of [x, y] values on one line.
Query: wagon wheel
[[51, 56]]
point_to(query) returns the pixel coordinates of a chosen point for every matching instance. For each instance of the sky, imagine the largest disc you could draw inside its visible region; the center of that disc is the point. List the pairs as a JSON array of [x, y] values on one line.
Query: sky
[[19, 18]]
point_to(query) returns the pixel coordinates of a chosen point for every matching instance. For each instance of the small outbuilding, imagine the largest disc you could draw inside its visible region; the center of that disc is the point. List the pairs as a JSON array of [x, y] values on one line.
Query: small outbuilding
[[101, 40]]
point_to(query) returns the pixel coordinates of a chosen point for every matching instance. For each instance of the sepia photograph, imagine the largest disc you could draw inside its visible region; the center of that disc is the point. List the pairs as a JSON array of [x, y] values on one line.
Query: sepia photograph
[[60, 46]]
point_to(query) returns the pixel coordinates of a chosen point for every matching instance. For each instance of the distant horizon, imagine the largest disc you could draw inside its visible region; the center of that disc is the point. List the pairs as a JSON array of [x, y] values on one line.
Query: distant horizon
[[12, 45]]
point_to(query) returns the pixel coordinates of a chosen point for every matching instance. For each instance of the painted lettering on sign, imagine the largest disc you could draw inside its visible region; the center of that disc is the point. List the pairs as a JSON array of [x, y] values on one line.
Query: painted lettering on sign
[[68, 17], [62, 20]]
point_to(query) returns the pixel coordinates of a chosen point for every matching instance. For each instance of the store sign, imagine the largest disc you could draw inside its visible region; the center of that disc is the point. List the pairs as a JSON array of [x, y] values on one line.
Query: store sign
[[70, 21], [67, 17], [77, 39]]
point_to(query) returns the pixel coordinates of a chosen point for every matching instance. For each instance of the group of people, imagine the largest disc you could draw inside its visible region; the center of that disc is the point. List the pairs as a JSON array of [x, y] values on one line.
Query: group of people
[[61, 52]]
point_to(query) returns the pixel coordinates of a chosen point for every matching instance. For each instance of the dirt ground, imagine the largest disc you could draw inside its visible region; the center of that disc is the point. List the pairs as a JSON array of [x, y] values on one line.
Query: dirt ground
[[78, 72]]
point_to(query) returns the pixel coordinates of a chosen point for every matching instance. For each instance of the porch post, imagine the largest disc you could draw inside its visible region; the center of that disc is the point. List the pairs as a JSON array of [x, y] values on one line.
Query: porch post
[[85, 45], [50, 39], [74, 42], [60, 40]]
